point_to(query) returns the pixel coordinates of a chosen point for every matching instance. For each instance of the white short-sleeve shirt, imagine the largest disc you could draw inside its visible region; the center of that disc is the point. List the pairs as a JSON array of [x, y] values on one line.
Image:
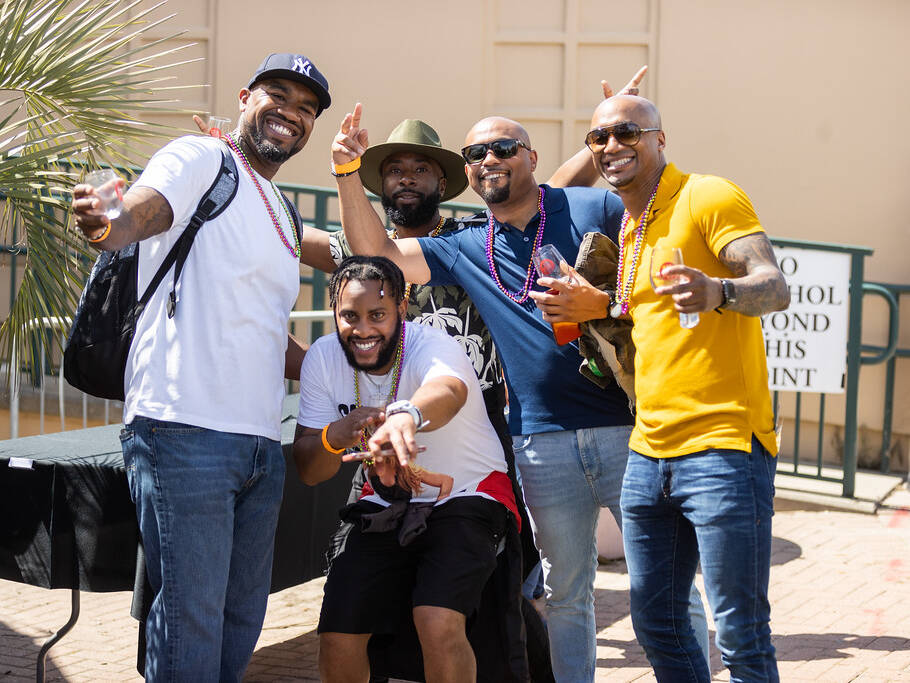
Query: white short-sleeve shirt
[[219, 363], [466, 448]]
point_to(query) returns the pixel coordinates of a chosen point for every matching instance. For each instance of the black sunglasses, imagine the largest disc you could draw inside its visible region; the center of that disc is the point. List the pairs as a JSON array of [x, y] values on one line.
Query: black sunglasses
[[626, 133], [502, 149]]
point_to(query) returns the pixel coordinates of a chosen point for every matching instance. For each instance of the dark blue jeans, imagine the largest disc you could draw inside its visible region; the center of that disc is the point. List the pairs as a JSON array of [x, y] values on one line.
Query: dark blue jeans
[[207, 504], [716, 504]]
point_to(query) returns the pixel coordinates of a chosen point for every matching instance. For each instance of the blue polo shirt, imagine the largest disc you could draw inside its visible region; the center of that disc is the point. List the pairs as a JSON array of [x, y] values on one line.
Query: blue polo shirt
[[546, 391]]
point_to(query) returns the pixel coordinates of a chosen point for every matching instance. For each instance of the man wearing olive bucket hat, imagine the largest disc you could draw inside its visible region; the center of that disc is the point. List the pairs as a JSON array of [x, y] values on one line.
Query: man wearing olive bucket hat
[[412, 173]]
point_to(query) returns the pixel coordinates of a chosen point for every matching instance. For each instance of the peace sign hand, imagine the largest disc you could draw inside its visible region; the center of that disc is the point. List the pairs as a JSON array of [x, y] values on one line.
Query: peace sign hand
[[351, 141], [630, 88]]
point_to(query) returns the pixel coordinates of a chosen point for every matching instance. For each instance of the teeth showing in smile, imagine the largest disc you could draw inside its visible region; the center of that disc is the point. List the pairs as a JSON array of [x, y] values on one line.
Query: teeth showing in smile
[[281, 130], [494, 175], [365, 346], [618, 163]]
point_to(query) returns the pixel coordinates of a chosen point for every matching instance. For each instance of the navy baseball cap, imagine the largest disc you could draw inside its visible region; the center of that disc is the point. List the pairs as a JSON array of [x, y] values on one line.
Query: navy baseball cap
[[294, 68]]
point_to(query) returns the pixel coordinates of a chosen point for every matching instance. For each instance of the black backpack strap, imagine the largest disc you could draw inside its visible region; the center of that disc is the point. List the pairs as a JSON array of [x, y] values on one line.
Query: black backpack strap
[[215, 200]]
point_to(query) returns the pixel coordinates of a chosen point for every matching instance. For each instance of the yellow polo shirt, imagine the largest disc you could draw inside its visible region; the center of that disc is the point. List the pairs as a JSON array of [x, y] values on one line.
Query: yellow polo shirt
[[706, 387]]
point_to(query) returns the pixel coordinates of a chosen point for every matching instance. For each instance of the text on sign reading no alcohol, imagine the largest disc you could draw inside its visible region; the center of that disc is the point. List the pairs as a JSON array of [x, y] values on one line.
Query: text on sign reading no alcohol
[[806, 344]]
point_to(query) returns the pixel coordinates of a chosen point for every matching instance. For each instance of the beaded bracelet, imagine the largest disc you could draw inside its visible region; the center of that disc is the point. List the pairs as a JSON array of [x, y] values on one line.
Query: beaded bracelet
[[326, 445], [102, 237], [341, 170]]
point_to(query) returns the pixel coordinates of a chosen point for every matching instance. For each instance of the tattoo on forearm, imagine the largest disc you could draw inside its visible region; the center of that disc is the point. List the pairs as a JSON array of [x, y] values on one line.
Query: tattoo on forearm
[[760, 286], [146, 213]]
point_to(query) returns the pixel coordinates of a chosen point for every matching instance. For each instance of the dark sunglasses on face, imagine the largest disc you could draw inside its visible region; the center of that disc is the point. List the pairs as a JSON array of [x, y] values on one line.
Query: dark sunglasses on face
[[626, 133], [502, 149]]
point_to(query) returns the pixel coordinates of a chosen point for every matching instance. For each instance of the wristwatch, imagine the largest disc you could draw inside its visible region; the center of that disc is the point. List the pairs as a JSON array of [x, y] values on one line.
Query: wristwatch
[[405, 407], [728, 290]]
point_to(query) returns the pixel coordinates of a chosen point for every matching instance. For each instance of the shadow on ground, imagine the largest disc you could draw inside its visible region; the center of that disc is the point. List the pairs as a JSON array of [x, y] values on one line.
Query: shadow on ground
[[293, 659], [795, 646], [19, 657]]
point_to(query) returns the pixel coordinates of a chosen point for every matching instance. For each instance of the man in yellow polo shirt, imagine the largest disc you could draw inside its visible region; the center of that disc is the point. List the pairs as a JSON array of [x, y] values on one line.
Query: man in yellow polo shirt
[[699, 480]]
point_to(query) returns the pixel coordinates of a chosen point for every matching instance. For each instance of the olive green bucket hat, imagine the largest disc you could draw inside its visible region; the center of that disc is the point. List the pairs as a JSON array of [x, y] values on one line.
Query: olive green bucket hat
[[413, 135]]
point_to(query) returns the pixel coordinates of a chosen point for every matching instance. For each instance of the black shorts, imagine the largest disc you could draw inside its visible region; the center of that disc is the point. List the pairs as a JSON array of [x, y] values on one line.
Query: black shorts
[[374, 582]]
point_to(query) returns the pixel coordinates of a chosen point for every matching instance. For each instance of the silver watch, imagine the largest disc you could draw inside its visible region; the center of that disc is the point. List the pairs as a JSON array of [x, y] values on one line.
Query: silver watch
[[406, 406]]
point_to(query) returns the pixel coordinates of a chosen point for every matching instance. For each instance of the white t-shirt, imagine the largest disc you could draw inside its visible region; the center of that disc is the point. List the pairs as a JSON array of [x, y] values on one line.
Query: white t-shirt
[[466, 448], [219, 363]]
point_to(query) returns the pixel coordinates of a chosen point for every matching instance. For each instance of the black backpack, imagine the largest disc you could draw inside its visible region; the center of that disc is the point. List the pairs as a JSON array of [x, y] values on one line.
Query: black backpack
[[99, 340]]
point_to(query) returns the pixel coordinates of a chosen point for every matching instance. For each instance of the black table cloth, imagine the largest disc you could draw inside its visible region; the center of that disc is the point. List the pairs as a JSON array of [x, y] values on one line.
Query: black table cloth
[[67, 521]]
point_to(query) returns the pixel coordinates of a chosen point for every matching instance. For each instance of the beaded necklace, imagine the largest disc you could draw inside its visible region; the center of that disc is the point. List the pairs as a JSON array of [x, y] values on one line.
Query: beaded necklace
[[522, 296], [295, 250], [623, 295], [433, 233], [396, 380]]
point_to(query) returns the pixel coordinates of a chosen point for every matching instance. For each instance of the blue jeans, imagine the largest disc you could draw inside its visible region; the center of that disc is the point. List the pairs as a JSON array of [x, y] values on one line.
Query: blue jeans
[[567, 477], [207, 504], [716, 504]]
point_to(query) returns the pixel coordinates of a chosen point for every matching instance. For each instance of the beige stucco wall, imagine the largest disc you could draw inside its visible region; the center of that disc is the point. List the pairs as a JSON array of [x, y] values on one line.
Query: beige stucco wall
[[801, 103]]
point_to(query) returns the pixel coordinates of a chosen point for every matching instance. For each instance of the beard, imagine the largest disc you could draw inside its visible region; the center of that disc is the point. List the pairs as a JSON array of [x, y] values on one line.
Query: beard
[[494, 195], [265, 148], [411, 216], [386, 350]]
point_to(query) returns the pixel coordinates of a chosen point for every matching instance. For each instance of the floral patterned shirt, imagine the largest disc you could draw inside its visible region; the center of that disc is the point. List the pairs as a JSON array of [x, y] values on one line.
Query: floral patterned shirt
[[447, 308]]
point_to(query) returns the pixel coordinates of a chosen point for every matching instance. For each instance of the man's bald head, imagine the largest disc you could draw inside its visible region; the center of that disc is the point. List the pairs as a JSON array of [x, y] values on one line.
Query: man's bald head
[[626, 108], [509, 175], [627, 143], [496, 128]]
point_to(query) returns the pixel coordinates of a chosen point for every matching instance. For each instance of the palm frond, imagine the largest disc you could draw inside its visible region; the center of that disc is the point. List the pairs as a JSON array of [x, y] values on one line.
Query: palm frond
[[75, 76]]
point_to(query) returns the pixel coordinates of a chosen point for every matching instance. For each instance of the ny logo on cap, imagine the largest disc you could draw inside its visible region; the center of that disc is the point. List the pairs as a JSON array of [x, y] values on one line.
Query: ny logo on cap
[[302, 65]]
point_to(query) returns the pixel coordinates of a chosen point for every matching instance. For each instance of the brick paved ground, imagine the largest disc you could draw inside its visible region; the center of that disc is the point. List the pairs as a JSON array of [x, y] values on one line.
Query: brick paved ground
[[840, 592]]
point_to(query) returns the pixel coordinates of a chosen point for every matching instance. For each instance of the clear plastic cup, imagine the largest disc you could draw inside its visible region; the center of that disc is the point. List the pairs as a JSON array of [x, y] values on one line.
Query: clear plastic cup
[[550, 263], [218, 125], [109, 190]]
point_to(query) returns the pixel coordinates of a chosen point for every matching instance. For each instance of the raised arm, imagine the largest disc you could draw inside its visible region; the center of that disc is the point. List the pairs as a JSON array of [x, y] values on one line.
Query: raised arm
[[580, 170], [363, 228], [145, 213]]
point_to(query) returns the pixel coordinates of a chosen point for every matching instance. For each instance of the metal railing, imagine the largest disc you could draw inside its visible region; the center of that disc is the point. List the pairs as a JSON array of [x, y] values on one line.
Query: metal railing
[[819, 469], [888, 355], [318, 206]]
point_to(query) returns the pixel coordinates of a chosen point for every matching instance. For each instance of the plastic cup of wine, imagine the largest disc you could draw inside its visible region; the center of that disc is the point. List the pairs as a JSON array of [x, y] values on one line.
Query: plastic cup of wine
[[217, 125], [661, 258], [550, 263]]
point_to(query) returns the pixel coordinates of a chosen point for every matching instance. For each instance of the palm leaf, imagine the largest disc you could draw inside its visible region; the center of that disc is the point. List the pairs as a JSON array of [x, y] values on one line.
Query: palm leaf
[[75, 76]]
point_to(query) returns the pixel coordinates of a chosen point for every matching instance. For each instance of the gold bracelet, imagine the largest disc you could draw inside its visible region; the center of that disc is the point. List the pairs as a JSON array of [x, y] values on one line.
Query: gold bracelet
[[345, 169], [107, 231], [326, 445]]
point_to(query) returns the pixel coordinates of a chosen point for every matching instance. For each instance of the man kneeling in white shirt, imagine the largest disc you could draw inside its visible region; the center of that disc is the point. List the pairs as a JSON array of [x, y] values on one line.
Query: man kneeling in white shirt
[[427, 528]]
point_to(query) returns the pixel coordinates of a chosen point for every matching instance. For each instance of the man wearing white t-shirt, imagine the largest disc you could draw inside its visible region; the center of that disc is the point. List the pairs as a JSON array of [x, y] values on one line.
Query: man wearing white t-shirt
[[412, 546], [204, 388]]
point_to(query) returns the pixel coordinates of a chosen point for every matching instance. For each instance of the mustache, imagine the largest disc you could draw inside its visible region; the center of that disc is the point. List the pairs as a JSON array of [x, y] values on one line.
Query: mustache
[[398, 193]]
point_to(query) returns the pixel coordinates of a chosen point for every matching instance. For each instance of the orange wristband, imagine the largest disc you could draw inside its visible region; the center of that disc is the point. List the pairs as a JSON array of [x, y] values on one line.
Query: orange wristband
[[345, 169], [102, 237], [326, 445]]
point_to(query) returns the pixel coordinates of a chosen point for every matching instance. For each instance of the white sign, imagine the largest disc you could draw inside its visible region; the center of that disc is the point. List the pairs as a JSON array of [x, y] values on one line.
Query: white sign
[[807, 344]]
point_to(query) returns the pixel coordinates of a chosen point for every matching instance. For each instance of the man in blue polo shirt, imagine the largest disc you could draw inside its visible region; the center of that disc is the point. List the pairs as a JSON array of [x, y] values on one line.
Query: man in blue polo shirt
[[570, 437]]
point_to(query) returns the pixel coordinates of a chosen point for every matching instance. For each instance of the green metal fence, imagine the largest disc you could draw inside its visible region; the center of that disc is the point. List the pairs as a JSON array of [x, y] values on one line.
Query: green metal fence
[[319, 207], [816, 469]]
